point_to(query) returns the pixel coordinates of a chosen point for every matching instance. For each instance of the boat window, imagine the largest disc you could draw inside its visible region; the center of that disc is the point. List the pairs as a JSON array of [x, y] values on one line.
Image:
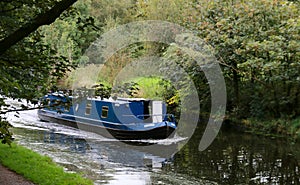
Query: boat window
[[77, 107], [88, 107], [104, 112], [48, 101]]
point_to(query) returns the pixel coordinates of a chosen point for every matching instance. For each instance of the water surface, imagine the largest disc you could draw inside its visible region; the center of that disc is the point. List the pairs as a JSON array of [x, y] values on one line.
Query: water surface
[[233, 158]]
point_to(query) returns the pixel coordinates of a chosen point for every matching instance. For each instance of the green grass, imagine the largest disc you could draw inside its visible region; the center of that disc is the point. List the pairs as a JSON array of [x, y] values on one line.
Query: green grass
[[36, 168]]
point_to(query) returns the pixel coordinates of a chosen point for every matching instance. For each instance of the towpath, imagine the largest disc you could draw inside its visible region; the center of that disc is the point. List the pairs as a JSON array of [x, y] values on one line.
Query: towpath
[[8, 177]]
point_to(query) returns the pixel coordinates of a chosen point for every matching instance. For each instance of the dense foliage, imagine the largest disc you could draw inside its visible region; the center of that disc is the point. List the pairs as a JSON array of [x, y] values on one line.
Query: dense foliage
[[256, 42]]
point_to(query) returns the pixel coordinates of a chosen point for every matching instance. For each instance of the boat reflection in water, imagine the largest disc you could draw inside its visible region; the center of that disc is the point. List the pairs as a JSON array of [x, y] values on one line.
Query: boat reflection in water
[[130, 154]]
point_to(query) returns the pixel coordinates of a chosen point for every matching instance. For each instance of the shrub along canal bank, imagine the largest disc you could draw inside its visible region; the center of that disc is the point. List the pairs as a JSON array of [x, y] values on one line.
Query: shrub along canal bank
[[36, 168], [280, 128]]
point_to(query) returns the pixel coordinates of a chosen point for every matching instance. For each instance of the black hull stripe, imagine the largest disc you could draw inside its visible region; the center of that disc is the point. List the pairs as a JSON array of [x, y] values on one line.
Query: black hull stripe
[[157, 133]]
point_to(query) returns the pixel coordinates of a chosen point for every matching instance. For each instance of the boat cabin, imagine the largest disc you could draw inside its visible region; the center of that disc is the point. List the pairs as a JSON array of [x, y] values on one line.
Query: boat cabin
[[120, 110]]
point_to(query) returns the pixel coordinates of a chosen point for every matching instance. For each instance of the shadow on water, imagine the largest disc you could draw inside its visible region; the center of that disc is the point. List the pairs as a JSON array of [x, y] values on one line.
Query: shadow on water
[[239, 158]]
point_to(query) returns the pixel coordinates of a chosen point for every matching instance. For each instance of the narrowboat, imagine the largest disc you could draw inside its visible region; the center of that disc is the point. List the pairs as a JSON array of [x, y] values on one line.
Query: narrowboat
[[120, 118]]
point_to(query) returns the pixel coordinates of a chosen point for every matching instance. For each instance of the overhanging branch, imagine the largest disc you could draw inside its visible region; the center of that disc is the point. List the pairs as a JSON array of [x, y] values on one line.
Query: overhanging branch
[[45, 18], [22, 109]]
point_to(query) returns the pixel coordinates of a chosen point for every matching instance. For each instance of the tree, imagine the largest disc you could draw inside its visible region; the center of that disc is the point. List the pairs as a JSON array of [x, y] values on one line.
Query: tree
[[27, 65], [256, 42]]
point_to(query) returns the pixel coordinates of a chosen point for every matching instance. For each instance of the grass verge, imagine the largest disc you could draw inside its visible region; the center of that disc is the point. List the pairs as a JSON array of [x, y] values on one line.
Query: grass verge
[[36, 168]]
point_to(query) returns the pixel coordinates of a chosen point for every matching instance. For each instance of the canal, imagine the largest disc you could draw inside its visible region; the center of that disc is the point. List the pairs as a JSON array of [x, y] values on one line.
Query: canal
[[233, 157]]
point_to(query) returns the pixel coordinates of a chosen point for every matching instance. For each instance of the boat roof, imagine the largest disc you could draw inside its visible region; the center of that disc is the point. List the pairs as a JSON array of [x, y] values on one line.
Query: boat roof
[[120, 100], [132, 99], [112, 100]]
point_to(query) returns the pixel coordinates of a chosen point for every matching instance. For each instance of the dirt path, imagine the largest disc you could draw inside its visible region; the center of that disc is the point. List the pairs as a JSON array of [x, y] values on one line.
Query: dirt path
[[8, 177]]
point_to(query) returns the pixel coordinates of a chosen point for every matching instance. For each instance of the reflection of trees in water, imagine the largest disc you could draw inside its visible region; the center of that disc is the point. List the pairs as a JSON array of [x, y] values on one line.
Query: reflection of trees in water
[[237, 158]]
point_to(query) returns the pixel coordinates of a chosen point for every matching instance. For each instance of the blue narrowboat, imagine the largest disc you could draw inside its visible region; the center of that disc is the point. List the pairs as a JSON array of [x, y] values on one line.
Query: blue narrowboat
[[121, 118]]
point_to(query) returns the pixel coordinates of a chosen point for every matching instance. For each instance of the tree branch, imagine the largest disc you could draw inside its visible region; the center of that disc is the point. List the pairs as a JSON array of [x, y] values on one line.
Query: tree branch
[[44, 18], [22, 109]]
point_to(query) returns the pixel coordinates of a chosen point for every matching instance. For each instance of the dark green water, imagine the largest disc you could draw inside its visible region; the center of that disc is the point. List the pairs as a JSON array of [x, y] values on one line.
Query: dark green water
[[233, 157], [239, 158]]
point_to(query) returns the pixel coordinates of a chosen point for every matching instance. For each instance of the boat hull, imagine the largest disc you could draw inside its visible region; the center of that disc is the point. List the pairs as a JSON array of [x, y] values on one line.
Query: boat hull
[[161, 132]]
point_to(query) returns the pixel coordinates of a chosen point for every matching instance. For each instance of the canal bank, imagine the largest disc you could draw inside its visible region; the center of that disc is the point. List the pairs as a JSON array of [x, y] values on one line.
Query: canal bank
[[34, 168], [288, 129], [9, 177]]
